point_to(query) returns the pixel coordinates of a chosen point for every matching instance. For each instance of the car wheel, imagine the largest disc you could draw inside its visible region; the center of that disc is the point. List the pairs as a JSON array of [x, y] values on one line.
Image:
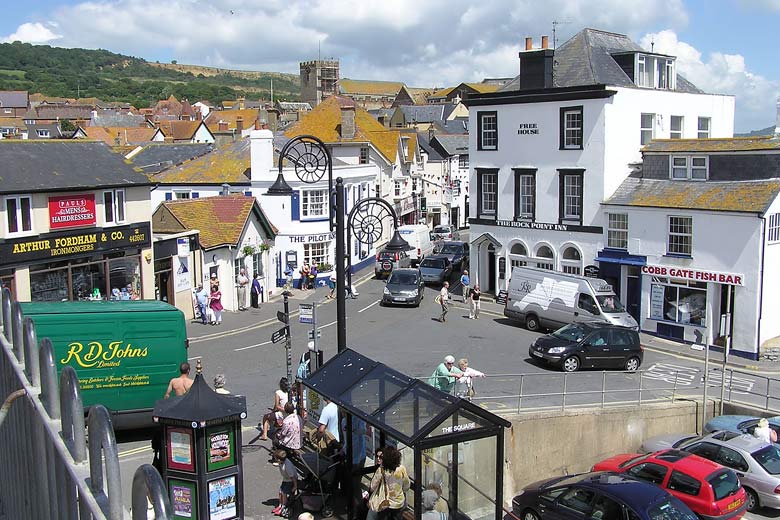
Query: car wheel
[[530, 514], [382, 303], [752, 500], [632, 364], [532, 323], [570, 364]]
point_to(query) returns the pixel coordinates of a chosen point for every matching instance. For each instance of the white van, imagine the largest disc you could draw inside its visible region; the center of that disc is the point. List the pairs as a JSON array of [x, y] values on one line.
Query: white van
[[419, 238], [551, 299]]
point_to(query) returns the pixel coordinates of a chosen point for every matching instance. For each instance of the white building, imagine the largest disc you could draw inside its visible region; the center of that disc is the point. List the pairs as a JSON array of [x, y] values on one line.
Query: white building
[[554, 143], [694, 236]]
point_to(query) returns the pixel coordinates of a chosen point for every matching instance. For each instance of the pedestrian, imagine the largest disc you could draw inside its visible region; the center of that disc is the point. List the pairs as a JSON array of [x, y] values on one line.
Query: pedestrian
[[276, 415], [242, 282], [215, 304], [357, 444], [289, 485], [202, 297], [332, 285], [219, 384], [214, 282], [429, 499], [464, 386], [290, 434], [256, 292], [445, 375], [388, 486], [764, 432], [180, 385], [329, 420], [304, 272], [441, 505], [313, 272], [443, 298], [465, 281], [474, 303]]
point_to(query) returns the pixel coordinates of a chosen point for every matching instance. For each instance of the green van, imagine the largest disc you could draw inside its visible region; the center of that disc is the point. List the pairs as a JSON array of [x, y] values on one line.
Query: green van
[[124, 352]]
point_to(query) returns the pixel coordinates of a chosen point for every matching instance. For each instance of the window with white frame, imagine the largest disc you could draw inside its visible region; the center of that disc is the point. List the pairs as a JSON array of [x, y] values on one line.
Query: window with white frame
[[571, 261], [314, 203], [571, 128], [363, 155], [545, 258], [518, 255], [43, 133], [463, 161], [647, 128], [655, 72], [680, 236], [181, 195], [488, 192], [398, 188], [18, 214], [525, 194], [687, 167], [676, 127], [570, 195], [114, 206], [316, 253], [774, 228], [487, 131], [617, 230], [704, 127]]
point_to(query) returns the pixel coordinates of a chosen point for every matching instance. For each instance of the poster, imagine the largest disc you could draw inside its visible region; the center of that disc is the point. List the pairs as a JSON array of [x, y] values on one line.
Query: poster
[[222, 499], [180, 450], [182, 279], [68, 211], [221, 448], [657, 302], [184, 498]]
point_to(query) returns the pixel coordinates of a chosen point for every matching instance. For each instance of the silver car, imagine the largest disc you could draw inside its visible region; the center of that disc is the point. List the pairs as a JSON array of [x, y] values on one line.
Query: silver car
[[756, 463]]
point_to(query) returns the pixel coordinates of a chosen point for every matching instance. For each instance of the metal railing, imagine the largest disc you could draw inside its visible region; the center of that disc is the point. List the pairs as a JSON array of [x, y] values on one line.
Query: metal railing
[[47, 471]]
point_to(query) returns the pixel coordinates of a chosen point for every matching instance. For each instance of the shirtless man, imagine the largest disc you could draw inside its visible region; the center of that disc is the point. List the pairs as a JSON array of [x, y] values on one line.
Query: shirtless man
[[180, 385]]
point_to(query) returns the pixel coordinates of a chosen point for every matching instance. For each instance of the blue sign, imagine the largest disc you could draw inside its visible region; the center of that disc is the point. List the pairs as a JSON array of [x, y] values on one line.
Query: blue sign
[[306, 313]]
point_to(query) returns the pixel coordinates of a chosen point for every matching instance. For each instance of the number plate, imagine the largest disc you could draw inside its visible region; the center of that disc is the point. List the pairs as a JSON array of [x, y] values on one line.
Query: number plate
[[399, 299], [535, 353]]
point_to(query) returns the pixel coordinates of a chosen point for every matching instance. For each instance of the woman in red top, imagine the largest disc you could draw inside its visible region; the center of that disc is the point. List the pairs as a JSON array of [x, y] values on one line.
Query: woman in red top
[[215, 302]]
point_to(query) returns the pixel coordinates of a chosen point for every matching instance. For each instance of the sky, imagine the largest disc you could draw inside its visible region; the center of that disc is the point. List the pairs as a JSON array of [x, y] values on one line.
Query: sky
[[722, 46]]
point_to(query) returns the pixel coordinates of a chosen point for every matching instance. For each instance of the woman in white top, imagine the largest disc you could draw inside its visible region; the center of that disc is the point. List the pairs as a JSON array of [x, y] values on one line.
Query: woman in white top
[[466, 380], [281, 396], [764, 432]]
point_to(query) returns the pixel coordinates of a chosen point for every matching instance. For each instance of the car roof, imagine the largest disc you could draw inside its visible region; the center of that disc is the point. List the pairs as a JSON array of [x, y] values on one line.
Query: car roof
[[436, 257], [445, 242], [622, 487], [741, 441], [402, 270], [723, 422], [601, 325], [689, 463]]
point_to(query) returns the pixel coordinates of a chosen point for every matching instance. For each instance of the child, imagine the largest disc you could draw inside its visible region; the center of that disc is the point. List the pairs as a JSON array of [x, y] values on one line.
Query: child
[[289, 485]]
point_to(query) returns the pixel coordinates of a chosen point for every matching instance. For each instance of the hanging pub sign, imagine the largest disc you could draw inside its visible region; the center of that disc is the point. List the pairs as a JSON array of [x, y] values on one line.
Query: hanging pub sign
[[67, 211]]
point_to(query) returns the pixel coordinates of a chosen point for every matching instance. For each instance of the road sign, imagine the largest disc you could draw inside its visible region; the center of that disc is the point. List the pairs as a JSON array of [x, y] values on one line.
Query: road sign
[[279, 335], [306, 313], [281, 316], [311, 334]]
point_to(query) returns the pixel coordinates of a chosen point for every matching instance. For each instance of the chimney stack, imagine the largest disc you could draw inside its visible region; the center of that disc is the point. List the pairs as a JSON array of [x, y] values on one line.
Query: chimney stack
[[348, 122], [223, 126], [239, 124], [529, 43], [545, 42]]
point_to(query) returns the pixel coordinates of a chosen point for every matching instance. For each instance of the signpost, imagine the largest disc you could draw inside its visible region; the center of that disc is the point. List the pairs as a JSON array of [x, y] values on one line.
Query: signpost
[[307, 313], [279, 335]]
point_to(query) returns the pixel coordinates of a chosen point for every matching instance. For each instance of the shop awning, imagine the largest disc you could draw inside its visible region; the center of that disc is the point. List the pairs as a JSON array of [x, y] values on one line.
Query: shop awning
[[621, 258], [486, 237]]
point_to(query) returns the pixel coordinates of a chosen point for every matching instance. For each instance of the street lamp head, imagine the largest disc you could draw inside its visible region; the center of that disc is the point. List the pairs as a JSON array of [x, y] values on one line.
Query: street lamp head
[[280, 187], [397, 243]]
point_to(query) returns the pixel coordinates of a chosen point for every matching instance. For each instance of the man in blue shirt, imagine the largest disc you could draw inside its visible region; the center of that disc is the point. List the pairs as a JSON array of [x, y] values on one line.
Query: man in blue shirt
[[203, 298], [465, 281]]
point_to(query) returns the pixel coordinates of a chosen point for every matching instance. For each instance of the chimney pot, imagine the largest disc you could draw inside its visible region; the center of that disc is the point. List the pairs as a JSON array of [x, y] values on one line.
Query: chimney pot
[[545, 42], [239, 124], [529, 43], [223, 126]]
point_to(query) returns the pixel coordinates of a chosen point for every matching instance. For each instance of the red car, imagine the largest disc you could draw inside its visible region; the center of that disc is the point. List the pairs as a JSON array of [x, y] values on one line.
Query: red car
[[710, 490]]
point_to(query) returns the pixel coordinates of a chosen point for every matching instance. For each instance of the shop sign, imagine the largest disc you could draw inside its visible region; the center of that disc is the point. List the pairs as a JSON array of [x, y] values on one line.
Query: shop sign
[[74, 243], [68, 211], [308, 239], [698, 275], [183, 246], [528, 129], [543, 226], [405, 206]]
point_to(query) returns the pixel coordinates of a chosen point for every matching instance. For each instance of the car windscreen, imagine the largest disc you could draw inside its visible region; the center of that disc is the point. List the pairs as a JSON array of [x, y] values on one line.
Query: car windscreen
[[571, 332], [670, 508], [768, 458], [610, 304], [633, 460], [441, 229], [402, 279], [386, 256], [724, 484], [433, 263], [451, 249]]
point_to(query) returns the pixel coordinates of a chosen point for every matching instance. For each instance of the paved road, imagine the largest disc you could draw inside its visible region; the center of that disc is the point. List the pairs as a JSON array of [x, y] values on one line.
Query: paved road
[[411, 341]]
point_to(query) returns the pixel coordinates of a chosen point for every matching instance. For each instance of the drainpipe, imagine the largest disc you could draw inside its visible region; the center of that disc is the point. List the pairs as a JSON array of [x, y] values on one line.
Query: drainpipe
[[8, 402]]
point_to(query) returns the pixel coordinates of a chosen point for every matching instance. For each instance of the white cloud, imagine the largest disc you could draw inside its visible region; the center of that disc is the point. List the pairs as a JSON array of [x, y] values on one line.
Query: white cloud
[[33, 33], [723, 74]]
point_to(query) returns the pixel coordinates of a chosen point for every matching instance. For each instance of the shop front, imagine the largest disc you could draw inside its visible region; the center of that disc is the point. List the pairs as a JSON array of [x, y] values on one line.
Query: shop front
[[292, 251], [178, 266], [110, 263], [406, 209]]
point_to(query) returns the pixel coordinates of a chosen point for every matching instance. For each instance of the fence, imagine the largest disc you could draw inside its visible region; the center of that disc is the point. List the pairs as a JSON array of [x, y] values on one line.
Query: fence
[[48, 471]]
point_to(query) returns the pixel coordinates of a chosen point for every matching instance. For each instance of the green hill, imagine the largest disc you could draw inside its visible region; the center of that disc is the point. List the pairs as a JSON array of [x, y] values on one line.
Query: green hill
[[70, 73]]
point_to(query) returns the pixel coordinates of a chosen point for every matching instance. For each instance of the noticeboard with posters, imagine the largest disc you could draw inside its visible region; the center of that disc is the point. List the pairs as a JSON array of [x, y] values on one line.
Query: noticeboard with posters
[[220, 446]]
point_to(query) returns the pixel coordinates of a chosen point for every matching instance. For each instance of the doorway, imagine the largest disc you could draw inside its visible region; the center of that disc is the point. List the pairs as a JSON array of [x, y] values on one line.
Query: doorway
[[633, 291], [491, 269]]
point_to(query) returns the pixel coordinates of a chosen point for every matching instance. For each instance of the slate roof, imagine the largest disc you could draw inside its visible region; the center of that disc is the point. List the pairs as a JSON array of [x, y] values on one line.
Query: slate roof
[[423, 113], [586, 59], [726, 144], [59, 111], [377, 88], [230, 117], [220, 220], [127, 135], [53, 165], [324, 122], [454, 144], [293, 105], [455, 126], [156, 157], [737, 196], [230, 164], [110, 119], [14, 98], [433, 153]]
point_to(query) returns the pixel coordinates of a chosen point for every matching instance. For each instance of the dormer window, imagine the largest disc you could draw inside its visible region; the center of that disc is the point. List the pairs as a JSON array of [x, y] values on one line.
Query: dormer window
[[655, 72]]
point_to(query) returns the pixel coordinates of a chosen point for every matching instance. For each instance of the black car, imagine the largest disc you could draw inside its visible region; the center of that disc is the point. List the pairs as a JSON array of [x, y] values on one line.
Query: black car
[[436, 269], [589, 345], [456, 252], [404, 287], [599, 495]]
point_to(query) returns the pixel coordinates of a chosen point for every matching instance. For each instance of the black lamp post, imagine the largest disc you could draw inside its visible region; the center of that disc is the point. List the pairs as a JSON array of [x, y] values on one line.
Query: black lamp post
[[311, 160]]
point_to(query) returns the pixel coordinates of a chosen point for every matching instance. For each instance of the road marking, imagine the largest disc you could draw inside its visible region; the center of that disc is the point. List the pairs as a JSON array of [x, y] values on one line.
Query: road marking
[[194, 358], [366, 308], [687, 376], [251, 346]]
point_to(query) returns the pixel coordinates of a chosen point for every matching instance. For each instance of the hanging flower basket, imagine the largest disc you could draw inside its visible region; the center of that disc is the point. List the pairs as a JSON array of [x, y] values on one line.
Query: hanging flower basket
[[248, 250]]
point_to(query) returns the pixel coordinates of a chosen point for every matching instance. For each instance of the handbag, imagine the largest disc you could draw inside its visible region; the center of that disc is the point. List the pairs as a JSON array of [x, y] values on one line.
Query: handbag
[[378, 501], [471, 392]]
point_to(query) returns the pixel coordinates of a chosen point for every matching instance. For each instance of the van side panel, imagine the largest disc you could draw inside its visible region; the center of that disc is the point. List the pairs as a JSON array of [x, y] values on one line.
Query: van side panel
[[419, 238]]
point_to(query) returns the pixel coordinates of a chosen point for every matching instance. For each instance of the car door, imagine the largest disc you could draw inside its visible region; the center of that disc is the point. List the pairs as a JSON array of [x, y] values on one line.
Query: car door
[[621, 345], [687, 489], [574, 504], [595, 350], [649, 471], [586, 310]]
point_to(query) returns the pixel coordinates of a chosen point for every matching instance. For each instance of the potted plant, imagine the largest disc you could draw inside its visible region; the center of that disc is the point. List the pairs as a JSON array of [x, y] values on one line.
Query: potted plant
[[324, 267]]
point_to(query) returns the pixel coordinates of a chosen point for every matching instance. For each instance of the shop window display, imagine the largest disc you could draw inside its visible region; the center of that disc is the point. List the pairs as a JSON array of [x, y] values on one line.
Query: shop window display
[[683, 303], [87, 279], [125, 278], [89, 282]]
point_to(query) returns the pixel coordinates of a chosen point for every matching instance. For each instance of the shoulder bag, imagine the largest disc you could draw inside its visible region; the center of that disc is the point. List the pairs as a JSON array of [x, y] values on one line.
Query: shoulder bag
[[379, 500]]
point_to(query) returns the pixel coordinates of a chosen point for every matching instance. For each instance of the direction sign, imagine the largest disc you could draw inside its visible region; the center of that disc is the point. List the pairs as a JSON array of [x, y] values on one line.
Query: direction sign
[[311, 334], [279, 335], [306, 313], [281, 316]]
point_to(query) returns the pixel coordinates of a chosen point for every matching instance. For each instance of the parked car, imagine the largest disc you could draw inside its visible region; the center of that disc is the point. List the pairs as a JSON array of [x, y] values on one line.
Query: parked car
[[739, 423], [404, 287], [386, 261], [667, 441], [445, 232], [709, 489], [589, 345], [756, 463], [456, 252], [436, 269], [600, 495]]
